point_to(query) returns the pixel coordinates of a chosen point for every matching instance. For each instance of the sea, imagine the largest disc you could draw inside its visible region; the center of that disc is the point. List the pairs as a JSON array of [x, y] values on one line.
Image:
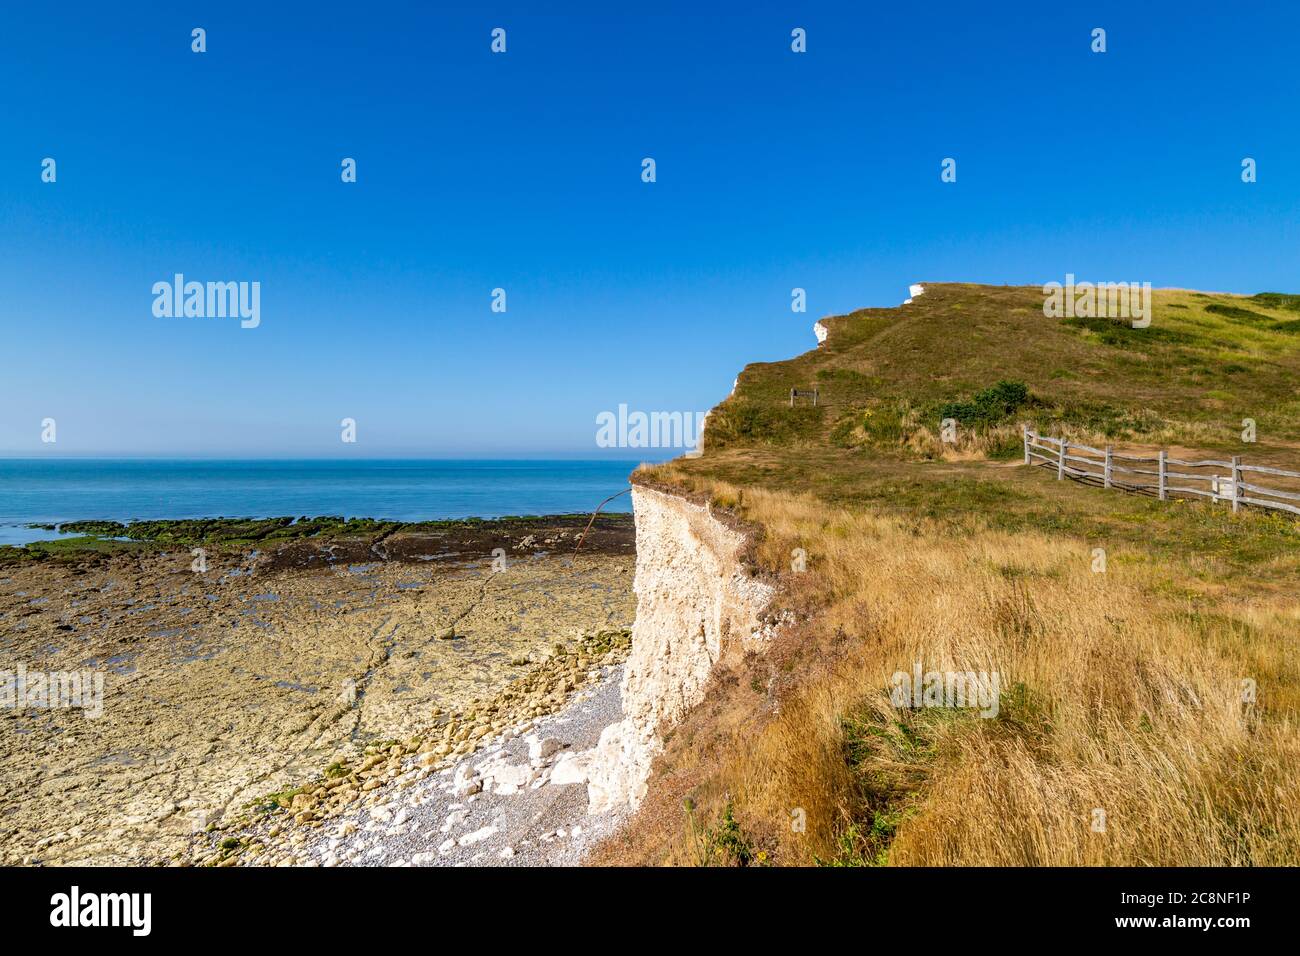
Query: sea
[[53, 491]]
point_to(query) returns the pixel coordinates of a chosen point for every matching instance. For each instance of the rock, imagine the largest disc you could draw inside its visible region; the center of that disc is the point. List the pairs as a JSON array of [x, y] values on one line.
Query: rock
[[455, 818], [621, 767], [541, 749], [465, 782], [507, 777], [571, 768], [478, 836], [446, 846], [506, 852]]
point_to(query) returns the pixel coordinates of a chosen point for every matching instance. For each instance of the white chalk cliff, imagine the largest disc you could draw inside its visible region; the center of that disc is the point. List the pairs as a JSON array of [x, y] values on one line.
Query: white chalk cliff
[[695, 600]]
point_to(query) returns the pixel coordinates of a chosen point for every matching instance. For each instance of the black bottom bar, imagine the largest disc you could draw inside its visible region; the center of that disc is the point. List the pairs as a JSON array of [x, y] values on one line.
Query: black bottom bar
[[241, 907]]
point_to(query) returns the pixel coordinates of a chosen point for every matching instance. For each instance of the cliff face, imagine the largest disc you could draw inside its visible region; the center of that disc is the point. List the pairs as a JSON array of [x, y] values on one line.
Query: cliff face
[[695, 601]]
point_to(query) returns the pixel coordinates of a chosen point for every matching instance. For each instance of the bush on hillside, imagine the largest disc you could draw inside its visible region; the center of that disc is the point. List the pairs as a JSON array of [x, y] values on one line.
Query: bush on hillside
[[1278, 300], [989, 406]]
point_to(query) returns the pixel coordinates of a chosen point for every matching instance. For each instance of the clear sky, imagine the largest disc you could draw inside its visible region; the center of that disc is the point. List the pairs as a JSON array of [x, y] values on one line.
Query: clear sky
[[523, 170]]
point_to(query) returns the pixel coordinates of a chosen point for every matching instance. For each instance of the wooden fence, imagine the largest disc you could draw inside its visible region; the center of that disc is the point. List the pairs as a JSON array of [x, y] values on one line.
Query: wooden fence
[[1231, 481]]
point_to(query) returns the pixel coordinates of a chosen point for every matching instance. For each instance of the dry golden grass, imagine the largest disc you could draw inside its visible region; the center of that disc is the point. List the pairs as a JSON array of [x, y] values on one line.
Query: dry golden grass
[[1122, 692], [1119, 694]]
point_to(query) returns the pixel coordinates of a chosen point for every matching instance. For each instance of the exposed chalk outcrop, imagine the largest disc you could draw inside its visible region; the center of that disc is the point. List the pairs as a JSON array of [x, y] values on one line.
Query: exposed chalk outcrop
[[695, 599], [820, 331]]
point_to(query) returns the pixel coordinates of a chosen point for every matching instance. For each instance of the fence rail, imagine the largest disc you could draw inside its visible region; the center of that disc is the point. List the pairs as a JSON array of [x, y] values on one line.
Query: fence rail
[[1224, 481]]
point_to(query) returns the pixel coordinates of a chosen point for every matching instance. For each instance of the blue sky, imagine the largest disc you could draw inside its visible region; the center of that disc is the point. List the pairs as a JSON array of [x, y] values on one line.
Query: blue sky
[[522, 171]]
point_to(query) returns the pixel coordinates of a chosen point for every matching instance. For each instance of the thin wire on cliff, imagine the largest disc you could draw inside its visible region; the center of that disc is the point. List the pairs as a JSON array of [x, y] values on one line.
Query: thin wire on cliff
[[593, 517]]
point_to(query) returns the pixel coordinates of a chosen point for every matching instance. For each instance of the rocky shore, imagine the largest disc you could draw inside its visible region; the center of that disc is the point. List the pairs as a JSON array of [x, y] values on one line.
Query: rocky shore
[[283, 665], [503, 784]]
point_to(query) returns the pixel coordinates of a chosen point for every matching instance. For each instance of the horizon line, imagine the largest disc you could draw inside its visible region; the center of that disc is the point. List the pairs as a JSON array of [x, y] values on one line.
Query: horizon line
[[238, 457]]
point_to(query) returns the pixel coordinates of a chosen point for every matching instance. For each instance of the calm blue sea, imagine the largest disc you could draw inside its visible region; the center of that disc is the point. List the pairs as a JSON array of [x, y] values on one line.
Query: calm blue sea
[[53, 491]]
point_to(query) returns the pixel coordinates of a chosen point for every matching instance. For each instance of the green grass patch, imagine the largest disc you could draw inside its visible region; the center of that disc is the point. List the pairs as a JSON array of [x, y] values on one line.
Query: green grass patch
[[1285, 301], [1121, 334], [1234, 312], [890, 759], [747, 423]]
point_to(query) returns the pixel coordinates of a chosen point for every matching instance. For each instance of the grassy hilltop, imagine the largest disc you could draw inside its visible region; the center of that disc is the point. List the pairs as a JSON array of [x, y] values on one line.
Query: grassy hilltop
[[1205, 362], [1148, 711]]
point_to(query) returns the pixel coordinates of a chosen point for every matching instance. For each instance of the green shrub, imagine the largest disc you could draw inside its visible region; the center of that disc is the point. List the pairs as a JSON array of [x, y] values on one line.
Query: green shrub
[[989, 406], [1232, 312], [725, 844]]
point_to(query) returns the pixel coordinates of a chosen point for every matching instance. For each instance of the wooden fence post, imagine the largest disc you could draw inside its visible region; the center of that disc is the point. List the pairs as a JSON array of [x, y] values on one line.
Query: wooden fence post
[[1236, 483], [1218, 483], [792, 398]]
